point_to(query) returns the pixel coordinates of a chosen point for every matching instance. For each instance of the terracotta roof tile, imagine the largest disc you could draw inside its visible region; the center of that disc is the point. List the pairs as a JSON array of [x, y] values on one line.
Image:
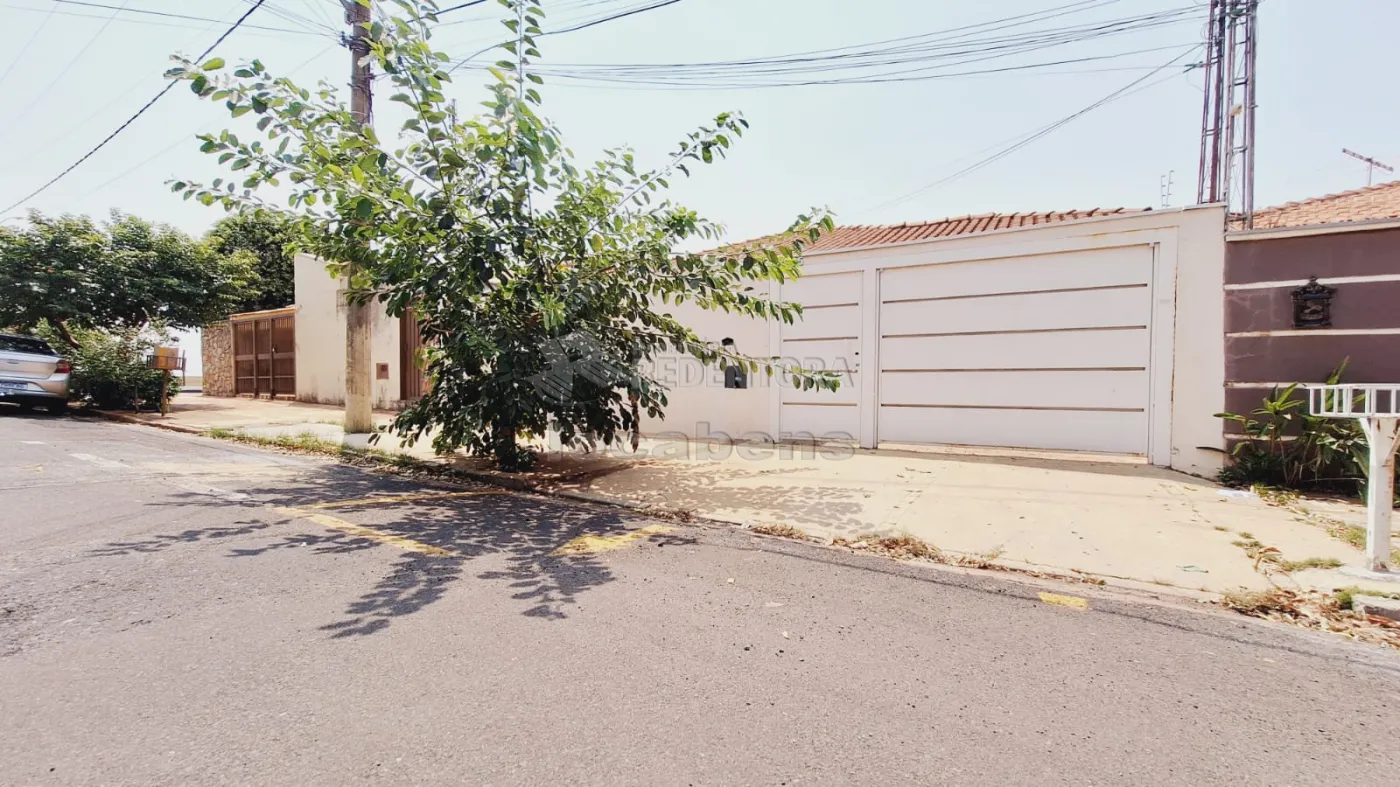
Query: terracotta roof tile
[[1381, 201], [855, 237]]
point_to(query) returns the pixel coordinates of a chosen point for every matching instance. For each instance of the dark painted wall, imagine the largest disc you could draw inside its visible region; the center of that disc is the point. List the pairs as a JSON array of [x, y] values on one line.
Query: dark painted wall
[[1308, 358], [1334, 254]]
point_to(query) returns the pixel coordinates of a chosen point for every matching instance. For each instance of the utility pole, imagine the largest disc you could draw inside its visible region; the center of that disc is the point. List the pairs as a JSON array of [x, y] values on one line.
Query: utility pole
[[359, 417], [1371, 164]]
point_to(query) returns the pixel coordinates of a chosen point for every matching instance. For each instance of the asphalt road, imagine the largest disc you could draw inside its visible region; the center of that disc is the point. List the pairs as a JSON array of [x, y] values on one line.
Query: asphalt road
[[180, 611]]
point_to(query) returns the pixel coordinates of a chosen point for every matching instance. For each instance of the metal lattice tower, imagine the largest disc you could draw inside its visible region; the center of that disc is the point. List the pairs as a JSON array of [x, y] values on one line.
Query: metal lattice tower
[[1227, 118]]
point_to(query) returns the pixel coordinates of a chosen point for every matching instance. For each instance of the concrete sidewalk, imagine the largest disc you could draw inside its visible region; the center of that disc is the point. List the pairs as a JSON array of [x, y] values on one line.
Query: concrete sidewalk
[[1103, 516]]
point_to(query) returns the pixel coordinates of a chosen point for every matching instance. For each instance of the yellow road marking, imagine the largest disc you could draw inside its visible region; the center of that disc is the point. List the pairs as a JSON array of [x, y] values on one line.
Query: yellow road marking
[[360, 531], [590, 544], [377, 500], [1073, 602]]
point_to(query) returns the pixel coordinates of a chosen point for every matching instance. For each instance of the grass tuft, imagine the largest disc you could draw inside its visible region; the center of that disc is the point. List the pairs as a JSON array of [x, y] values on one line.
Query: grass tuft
[[1290, 566]]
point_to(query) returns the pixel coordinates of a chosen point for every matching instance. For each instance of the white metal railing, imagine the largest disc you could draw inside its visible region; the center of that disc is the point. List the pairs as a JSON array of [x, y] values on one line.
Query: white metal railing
[[1354, 400]]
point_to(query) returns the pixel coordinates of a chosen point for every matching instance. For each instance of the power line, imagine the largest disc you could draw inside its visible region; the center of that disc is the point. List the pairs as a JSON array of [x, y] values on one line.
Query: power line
[[883, 46], [183, 138], [320, 9], [620, 15], [555, 8], [1126, 90], [256, 5], [292, 16], [118, 98], [32, 37], [124, 9], [653, 6], [870, 62], [174, 24], [912, 75], [879, 54], [459, 7], [72, 61]]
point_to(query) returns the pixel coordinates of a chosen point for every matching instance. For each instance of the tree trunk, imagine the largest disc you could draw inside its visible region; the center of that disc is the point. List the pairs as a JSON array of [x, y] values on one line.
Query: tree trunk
[[62, 329], [508, 454], [636, 421]]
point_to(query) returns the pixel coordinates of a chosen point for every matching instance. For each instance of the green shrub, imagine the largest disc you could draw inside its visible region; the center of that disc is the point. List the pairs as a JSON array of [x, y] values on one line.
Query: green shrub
[[109, 367], [1286, 446]]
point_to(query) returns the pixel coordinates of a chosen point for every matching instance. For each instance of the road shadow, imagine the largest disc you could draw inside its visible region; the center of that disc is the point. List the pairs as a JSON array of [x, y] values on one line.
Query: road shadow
[[524, 531], [160, 542]]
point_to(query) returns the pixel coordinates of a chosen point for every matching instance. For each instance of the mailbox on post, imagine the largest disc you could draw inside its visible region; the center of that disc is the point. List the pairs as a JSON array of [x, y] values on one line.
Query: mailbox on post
[[1377, 407]]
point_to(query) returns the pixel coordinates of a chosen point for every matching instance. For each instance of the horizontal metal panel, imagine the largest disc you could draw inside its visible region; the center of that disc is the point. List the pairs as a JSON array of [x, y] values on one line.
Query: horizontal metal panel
[[834, 323], [1117, 349], [1071, 270], [1103, 432], [819, 421], [1117, 389], [841, 355], [823, 290], [1027, 312], [848, 393]]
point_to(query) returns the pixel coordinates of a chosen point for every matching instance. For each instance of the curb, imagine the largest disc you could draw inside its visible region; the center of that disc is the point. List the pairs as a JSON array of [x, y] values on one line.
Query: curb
[[125, 418]]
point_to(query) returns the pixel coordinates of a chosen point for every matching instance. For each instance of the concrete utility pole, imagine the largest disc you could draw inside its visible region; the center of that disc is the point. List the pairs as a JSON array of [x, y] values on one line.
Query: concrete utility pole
[[359, 418]]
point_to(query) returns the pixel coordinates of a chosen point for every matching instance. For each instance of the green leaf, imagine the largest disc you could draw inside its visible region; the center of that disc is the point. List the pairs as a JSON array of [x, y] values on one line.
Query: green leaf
[[213, 64], [198, 84], [364, 208]]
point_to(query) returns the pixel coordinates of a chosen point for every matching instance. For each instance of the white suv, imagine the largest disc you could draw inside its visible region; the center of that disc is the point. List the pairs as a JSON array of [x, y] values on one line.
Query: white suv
[[32, 374]]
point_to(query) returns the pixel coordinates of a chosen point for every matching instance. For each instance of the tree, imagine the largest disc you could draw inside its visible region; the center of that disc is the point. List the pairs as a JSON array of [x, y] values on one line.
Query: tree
[[270, 238], [73, 273], [542, 287]]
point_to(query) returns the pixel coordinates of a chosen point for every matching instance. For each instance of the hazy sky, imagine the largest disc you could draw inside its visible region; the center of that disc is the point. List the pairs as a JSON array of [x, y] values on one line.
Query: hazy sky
[[1327, 70]]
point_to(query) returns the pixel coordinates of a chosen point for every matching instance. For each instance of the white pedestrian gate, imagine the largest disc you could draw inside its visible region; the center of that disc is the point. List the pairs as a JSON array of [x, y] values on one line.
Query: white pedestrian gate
[[826, 337]]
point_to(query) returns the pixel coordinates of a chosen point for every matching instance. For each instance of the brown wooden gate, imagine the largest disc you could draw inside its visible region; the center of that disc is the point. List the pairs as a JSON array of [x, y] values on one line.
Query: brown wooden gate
[[413, 378], [264, 353]]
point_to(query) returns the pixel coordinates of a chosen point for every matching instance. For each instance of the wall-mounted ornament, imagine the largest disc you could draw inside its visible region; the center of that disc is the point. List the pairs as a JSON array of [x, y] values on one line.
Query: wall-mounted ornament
[[1312, 305]]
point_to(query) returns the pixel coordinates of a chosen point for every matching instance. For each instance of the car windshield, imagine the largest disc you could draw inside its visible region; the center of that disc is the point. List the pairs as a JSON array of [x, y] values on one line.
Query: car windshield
[[24, 344]]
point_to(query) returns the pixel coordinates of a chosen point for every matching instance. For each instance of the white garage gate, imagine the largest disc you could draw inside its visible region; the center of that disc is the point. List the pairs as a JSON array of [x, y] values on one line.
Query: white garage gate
[[1039, 351]]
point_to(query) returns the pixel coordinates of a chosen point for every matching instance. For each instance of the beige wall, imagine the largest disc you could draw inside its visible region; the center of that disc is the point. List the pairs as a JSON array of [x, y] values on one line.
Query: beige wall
[[1199, 369], [216, 355], [1188, 362], [1187, 367], [699, 404], [320, 304]]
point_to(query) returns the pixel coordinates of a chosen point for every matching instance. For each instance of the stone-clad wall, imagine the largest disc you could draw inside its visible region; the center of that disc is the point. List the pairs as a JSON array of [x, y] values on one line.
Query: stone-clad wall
[[217, 352]]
